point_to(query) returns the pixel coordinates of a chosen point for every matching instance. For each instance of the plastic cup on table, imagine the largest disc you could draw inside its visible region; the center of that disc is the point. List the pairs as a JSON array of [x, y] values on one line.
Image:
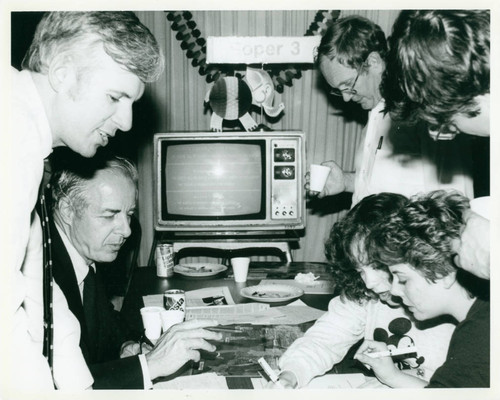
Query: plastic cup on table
[[318, 175], [240, 268], [170, 318], [151, 319]]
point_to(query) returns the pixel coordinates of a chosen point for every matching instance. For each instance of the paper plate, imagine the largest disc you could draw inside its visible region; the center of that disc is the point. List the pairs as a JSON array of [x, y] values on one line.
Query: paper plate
[[199, 269], [271, 293]]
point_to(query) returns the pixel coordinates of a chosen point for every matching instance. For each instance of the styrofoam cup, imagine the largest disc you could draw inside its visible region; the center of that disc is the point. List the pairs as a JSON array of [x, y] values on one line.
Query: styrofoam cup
[[151, 319], [318, 176], [240, 268], [170, 318]]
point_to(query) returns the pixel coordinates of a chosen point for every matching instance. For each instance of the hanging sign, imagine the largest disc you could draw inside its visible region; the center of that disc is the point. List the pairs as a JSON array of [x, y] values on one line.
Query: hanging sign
[[262, 49]]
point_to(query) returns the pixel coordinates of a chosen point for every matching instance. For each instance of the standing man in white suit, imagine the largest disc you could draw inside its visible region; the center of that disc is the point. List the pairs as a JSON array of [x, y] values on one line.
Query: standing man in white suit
[[80, 77]]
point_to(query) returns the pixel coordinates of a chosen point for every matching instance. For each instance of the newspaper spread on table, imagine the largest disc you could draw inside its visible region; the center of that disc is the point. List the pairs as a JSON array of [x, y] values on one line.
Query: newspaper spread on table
[[217, 303]]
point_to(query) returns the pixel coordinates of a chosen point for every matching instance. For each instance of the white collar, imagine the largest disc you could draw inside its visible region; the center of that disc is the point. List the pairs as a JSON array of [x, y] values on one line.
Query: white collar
[[379, 107], [80, 266]]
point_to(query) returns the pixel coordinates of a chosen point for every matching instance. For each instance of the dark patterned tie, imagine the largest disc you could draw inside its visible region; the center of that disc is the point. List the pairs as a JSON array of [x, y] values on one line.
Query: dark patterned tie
[[48, 318]]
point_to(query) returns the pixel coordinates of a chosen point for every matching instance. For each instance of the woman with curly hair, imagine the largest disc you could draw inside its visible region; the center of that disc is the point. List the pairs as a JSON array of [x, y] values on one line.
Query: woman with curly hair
[[365, 308], [416, 245], [438, 71]]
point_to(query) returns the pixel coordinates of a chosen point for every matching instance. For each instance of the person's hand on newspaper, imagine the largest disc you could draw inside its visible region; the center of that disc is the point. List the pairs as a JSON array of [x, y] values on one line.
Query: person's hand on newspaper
[[287, 380], [180, 344]]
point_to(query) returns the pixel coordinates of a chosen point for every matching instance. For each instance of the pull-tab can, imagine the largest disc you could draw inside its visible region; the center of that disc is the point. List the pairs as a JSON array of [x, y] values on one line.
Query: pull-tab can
[[174, 300], [164, 258]]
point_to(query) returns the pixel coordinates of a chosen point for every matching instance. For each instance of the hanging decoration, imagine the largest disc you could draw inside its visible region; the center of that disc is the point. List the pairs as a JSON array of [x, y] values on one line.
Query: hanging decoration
[[230, 98], [195, 46], [263, 93]]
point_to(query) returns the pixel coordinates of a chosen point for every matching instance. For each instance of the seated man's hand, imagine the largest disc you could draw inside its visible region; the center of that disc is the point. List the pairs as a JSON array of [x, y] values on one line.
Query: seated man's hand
[[131, 348], [179, 345]]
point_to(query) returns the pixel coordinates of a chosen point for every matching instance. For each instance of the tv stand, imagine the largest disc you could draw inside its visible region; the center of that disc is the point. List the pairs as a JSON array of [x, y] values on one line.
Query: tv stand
[[180, 243], [222, 244]]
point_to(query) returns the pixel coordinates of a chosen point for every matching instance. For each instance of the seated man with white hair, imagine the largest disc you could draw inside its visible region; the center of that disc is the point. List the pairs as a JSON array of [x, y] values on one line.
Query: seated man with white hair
[[92, 206]]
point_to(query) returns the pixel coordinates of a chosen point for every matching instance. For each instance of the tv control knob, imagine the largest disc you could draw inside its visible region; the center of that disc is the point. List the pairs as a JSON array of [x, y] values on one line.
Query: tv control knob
[[277, 213], [284, 212], [287, 172], [291, 212]]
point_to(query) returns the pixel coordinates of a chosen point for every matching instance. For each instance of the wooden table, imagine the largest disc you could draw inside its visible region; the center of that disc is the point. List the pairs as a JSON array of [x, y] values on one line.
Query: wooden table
[[145, 281]]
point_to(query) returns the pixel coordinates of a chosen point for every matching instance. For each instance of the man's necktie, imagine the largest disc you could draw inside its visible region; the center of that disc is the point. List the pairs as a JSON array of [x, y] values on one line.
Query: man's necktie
[[89, 304], [48, 318]]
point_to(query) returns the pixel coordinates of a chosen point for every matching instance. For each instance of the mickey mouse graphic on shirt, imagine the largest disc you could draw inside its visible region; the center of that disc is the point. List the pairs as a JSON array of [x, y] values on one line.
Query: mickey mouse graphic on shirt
[[399, 328]]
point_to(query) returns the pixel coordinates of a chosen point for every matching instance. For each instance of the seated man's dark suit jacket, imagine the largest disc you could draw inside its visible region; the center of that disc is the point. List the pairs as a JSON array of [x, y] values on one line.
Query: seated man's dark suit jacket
[[102, 352]]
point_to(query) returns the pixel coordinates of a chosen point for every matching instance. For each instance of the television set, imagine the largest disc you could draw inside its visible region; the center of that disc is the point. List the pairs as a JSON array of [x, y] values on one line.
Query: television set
[[223, 184]]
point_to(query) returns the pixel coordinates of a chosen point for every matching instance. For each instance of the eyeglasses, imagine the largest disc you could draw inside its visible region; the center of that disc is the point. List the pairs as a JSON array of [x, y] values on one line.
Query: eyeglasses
[[348, 91], [444, 132]]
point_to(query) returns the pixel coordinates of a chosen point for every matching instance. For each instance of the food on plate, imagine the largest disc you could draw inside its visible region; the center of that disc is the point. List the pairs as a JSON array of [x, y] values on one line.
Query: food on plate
[[270, 294]]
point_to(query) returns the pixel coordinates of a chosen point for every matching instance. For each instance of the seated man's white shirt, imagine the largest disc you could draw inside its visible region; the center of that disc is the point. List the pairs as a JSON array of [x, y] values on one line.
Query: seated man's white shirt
[[148, 383], [80, 266]]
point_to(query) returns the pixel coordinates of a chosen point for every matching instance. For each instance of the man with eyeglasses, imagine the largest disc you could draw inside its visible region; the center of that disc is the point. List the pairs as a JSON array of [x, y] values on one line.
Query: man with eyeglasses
[[392, 157]]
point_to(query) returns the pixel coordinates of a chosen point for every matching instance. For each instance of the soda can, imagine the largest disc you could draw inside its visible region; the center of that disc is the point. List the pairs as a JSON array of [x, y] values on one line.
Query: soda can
[[164, 258], [174, 300]]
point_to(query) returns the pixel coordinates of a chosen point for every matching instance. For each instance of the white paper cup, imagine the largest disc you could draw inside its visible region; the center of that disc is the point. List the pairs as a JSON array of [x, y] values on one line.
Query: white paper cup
[[151, 319], [170, 318], [318, 176], [240, 268]]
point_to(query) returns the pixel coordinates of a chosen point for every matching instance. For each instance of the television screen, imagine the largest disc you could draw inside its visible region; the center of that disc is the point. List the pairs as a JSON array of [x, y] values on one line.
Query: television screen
[[214, 179], [229, 184]]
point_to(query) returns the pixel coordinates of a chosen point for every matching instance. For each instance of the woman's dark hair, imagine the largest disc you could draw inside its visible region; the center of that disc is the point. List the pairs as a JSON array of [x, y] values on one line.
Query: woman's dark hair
[[438, 62], [421, 234], [345, 245]]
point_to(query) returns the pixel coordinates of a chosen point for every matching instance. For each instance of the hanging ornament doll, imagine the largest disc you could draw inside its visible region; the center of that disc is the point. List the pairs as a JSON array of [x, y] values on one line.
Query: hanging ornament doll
[[231, 98], [263, 93]]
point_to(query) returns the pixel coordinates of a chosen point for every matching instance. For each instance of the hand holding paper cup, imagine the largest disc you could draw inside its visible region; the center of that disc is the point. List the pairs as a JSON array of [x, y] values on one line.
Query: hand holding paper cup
[[240, 268], [318, 176]]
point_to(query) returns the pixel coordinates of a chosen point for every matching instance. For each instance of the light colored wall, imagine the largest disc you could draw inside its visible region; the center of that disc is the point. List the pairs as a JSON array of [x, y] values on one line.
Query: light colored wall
[[175, 103]]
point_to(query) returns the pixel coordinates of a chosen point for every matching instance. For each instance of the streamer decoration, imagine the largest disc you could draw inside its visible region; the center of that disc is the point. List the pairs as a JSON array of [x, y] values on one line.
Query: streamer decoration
[[195, 47]]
